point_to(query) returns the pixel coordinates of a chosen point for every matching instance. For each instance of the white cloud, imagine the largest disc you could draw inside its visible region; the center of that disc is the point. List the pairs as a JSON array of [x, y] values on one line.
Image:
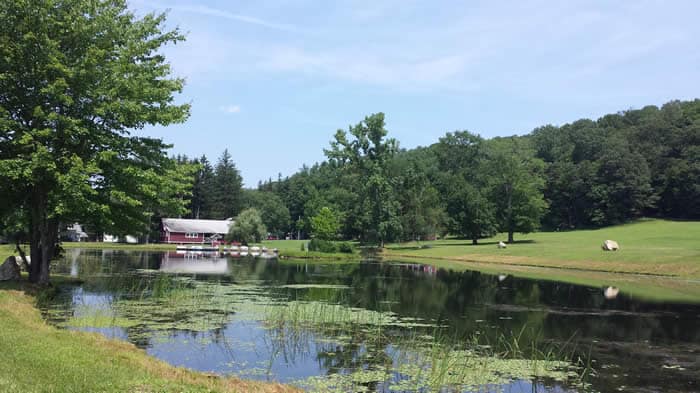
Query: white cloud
[[355, 65], [530, 48], [231, 109]]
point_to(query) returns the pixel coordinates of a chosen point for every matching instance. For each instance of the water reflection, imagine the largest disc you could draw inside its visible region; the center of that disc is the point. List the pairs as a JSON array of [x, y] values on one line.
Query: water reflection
[[611, 292], [635, 344], [173, 262]]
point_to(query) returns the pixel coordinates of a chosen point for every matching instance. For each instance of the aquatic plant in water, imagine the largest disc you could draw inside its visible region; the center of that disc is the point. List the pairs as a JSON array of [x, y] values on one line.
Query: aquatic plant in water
[[366, 350]]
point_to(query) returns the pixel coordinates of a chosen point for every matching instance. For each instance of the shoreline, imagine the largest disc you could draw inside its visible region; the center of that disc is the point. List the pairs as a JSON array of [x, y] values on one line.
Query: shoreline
[[37, 354], [516, 262]]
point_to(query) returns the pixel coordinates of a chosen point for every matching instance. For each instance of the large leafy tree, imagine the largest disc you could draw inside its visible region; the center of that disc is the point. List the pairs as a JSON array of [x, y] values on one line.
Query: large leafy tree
[[247, 228], [364, 153], [517, 184], [464, 184], [325, 225], [422, 213], [273, 212], [76, 76], [622, 190]]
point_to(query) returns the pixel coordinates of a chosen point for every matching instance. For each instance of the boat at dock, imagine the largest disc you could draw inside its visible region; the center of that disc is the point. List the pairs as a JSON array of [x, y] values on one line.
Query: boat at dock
[[234, 251], [197, 248]]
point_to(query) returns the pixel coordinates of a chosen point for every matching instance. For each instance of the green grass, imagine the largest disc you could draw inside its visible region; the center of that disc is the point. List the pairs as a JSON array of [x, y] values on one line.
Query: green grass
[[656, 247], [37, 357], [292, 249], [6, 250]]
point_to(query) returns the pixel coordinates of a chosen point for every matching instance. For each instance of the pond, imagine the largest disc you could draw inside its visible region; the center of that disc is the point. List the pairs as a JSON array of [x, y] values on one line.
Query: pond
[[380, 326]]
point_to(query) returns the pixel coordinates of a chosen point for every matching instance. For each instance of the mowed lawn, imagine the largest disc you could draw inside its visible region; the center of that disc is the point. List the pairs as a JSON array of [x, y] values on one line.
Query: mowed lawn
[[647, 246]]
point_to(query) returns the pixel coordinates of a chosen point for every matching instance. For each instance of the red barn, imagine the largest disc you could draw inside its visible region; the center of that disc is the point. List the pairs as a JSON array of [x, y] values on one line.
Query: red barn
[[181, 230]]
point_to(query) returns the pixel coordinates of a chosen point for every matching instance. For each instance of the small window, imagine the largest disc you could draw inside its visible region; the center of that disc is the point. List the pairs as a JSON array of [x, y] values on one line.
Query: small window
[[192, 235]]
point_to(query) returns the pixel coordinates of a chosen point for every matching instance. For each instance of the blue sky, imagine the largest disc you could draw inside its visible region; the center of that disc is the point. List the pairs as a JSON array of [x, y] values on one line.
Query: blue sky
[[272, 81]]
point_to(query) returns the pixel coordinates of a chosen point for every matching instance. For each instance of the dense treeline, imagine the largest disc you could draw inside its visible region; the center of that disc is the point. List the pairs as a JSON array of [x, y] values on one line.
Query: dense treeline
[[585, 174], [639, 162], [218, 193]]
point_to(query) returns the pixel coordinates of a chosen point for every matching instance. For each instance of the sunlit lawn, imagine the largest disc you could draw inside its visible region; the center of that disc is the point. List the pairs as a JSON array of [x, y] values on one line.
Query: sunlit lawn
[[647, 246]]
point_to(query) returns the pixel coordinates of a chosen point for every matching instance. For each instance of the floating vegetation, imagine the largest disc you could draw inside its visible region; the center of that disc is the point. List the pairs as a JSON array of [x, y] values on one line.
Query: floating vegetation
[[456, 371], [361, 349], [419, 361]]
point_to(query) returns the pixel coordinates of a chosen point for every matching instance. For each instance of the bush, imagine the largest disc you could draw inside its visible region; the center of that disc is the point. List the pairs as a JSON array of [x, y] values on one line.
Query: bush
[[329, 247], [345, 247], [322, 246]]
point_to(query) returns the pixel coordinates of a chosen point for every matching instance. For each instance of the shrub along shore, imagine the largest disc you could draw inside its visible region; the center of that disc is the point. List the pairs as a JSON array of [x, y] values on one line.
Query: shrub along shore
[[37, 357]]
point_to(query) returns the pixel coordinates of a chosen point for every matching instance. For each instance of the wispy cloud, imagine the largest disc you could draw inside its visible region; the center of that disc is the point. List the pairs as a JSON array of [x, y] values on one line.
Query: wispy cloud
[[210, 11], [350, 64], [480, 47], [204, 10], [230, 109]]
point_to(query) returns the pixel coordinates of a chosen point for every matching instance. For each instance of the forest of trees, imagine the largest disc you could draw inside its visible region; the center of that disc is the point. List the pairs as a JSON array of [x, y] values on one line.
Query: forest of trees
[[585, 174]]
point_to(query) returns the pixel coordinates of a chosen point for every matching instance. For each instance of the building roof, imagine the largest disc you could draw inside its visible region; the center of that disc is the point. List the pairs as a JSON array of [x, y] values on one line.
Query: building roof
[[200, 226]]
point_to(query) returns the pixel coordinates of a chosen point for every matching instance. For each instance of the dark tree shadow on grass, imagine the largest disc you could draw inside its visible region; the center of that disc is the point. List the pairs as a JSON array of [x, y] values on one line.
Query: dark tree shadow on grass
[[467, 243]]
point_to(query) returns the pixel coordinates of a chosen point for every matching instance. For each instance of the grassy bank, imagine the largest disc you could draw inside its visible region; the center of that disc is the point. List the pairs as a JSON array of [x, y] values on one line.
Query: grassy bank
[[292, 249], [645, 287], [37, 357], [656, 247]]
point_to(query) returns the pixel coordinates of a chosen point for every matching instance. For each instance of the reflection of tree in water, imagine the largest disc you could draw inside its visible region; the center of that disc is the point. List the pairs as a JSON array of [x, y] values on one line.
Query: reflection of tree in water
[[139, 336], [338, 350], [466, 302], [360, 351]]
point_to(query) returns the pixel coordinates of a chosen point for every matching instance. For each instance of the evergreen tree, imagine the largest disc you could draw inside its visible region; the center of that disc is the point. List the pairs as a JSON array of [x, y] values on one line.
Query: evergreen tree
[[202, 191], [227, 189]]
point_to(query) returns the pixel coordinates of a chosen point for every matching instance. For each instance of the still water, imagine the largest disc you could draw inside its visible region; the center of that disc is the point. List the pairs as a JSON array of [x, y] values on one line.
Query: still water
[[380, 326]]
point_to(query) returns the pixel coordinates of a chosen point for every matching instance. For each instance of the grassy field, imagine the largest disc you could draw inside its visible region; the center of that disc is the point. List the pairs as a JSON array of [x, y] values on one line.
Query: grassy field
[[37, 357], [292, 249], [6, 250], [655, 247]]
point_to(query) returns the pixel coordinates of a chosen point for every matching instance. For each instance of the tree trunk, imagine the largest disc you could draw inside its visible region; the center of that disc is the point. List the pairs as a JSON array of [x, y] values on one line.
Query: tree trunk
[[43, 232], [22, 255], [509, 213], [474, 240]]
